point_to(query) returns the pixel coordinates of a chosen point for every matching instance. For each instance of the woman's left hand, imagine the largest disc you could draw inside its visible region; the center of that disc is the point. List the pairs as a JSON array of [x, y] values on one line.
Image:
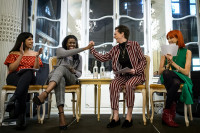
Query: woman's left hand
[[39, 52], [72, 70], [169, 58], [132, 71]]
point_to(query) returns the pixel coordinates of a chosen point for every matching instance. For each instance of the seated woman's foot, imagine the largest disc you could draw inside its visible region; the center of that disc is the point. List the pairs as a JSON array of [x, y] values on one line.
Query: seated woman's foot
[[127, 123], [63, 125], [11, 104], [113, 123], [21, 122], [41, 98]]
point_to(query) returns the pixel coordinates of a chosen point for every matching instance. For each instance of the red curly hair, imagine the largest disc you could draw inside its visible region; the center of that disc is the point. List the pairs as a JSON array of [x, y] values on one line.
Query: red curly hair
[[178, 35]]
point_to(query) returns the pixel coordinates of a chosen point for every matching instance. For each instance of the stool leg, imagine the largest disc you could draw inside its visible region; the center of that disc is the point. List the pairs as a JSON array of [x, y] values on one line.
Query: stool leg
[[31, 105], [77, 104], [73, 103], [185, 114], [49, 104], [124, 105], [3, 99], [190, 112], [152, 105], [144, 105]]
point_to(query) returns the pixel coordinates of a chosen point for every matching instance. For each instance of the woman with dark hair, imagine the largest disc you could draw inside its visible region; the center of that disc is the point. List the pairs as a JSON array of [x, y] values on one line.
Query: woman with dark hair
[[21, 57], [172, 79], [67, 71], [125, 54]]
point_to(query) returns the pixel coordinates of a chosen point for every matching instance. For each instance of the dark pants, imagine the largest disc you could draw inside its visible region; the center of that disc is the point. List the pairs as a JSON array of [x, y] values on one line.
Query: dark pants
[[172, 83], [22, 81]]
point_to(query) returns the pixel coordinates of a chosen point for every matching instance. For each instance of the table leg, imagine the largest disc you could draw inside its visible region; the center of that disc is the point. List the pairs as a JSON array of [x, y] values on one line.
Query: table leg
[[99, 100], [95, 99]]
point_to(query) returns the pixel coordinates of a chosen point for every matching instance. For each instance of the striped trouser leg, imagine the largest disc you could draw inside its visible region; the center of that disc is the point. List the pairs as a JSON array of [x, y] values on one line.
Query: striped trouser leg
[[115, 87], [130, 86]]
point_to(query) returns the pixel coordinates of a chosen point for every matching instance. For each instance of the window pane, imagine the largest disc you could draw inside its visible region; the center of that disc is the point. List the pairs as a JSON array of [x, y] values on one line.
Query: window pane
[[29, 7], [196, 61], [100, 8], [49, 8], [136, 29], [132, 8], [29, 25], [175, 8], [192, 1], [184, 9], [193, 9], [195, 55], [188, 27], [47, 30], [101, 32]]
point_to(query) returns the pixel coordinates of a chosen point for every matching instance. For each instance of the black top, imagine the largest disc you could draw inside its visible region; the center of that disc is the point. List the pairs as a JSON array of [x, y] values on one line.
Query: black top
[[124, 59]]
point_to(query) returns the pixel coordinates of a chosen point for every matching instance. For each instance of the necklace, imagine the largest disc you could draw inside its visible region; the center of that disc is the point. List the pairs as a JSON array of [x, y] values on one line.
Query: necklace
[[123, 52]]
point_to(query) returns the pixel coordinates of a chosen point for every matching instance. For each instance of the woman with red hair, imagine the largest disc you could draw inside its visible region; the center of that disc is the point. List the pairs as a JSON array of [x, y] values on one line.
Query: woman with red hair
[[174, 70]]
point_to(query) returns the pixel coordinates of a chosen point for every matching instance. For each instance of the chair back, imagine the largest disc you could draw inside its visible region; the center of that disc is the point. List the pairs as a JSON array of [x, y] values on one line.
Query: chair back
[[146, 72], [52, 62]]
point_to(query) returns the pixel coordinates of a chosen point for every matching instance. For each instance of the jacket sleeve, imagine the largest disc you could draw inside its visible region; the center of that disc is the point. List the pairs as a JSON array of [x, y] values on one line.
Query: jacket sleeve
[[101, 57], [61, 52], [141, 61]]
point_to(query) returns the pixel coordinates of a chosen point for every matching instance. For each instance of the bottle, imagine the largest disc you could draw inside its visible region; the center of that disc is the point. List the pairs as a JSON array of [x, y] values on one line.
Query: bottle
[[95, 71], [102, 70]]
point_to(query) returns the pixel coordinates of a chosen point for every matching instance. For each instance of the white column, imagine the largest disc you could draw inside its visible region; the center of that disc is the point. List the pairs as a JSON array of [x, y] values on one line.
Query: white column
[[10, 27]]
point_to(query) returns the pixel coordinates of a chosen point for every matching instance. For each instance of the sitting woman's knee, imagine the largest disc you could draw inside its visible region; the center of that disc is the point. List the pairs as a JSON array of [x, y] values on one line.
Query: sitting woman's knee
[[166, 73]]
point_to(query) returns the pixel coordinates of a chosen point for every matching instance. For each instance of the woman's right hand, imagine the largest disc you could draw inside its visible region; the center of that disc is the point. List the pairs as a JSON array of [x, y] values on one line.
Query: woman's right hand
[[90, 45], [21, 49]]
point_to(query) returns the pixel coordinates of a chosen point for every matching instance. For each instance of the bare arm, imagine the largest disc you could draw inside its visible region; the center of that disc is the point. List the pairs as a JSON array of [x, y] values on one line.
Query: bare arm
[[13, 66], [162, 65], [36, 63], [185, 70]]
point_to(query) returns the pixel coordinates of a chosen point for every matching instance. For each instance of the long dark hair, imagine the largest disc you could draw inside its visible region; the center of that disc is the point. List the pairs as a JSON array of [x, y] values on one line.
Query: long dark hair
[[21, 38], [64, 45]]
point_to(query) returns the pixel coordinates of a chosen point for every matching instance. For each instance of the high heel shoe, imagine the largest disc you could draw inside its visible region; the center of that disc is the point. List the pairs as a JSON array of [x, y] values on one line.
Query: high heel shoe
[[37, 101], [62, 127]]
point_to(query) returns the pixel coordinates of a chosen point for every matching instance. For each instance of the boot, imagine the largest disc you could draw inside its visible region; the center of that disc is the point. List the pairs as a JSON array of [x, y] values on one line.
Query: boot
[[173, 110], [167, 118], [21, 122]]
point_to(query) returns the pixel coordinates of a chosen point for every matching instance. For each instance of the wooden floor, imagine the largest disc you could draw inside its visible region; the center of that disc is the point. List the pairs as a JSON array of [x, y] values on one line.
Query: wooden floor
[[89, 124]]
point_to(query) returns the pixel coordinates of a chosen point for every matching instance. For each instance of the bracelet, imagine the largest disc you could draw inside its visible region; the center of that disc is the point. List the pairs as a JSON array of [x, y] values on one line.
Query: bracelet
[[178, 69]]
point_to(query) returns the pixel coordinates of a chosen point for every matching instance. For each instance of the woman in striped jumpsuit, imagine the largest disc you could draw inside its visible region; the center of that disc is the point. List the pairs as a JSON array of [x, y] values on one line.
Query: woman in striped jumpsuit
[[125, 54]]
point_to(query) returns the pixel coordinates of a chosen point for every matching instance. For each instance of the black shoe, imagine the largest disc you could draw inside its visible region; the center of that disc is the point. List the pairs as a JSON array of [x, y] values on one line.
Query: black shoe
[[63, 127], [127, 124], [11, 104], [113, 123], [37, 101], [21, 122]]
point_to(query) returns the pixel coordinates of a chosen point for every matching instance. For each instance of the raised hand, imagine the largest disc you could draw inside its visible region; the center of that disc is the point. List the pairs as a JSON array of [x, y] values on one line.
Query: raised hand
[[21, 49], [39, 52], [169, 58], [90, 45]]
